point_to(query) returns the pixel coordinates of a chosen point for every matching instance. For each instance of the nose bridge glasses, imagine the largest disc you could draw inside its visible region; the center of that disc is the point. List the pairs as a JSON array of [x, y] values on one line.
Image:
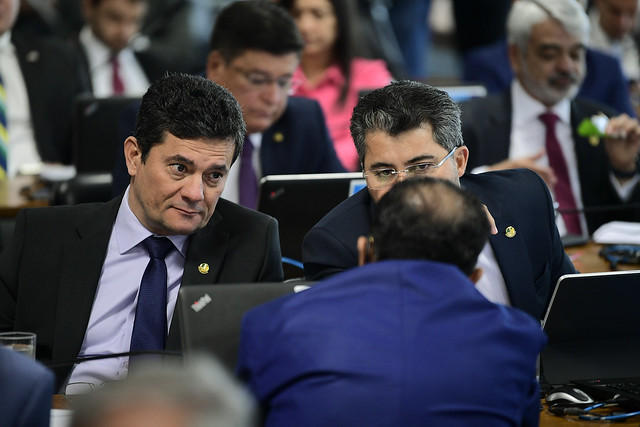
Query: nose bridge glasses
[[384, 177], [260, 81]]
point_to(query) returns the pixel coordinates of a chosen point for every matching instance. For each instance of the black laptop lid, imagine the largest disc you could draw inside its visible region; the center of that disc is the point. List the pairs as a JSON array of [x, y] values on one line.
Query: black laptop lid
[[593, 326], [211, 315], [298, 202]]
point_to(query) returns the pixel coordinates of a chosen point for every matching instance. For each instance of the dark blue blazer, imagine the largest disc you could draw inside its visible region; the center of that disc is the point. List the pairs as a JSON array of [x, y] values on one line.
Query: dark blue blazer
[[604, 82], [394, 343], [297, 143], [531, 262], [486, 129], [26, 388]]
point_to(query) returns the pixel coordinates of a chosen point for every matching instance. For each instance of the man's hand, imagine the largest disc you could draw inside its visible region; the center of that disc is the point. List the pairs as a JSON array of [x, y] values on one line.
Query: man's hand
[[623, 146], [545, 172], [492, 222]]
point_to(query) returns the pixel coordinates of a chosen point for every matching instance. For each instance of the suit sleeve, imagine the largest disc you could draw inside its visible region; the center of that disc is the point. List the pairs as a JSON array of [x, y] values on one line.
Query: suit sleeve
[[329, 161], [9, 261], [325, 255], [272, 266]]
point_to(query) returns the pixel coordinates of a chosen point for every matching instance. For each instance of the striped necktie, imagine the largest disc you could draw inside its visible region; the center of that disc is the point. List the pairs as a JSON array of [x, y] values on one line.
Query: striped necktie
[[4, 135]]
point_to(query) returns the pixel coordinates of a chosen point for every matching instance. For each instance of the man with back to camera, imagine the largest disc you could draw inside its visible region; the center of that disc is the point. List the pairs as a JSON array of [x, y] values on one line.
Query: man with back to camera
[[73, 274], [535, 123], [255, 48], [412, 129], [406, 340]]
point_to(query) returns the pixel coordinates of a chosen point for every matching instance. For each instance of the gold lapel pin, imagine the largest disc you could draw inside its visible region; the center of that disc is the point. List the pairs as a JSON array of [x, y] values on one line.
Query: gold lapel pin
[[510, 232], [203, 268], [278, 137]]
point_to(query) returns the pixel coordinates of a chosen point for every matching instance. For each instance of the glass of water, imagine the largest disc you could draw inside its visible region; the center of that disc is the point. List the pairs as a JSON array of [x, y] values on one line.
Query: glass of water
[[22, 342]]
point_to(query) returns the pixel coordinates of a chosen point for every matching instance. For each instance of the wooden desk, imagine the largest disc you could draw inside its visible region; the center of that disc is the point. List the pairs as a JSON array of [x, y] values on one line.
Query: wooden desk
[[13, 197], [586, 259]]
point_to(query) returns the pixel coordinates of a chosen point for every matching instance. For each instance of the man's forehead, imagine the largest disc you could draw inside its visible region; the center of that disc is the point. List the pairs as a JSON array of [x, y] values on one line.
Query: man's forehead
[[266, 62]]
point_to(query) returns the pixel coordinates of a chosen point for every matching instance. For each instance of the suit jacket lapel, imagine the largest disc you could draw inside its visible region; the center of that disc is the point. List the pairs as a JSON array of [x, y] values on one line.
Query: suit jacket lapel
[[80, 272], [509, 251]]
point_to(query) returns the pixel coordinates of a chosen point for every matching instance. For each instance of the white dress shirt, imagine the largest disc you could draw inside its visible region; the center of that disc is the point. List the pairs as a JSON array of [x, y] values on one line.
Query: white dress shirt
[[133, 77], [232, 186], [113, 311], [22, 150]]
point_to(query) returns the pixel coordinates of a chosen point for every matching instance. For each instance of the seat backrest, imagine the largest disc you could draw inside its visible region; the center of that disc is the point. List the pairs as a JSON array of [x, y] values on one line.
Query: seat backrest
[[83, 188]]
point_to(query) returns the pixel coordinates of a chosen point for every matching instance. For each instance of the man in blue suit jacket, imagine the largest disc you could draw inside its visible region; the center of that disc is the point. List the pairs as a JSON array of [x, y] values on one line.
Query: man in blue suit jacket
[[405, 341], [26, 388], [255, 48], [414, 127]]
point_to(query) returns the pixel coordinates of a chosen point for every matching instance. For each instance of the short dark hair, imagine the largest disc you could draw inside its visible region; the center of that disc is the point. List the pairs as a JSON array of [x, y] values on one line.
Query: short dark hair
[[406, 105], [257, 25], [428, 218], [188, 107]]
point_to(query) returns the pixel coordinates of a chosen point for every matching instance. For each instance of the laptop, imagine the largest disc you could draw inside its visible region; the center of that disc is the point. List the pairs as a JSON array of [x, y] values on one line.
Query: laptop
[[298, 202], [96, 132], [210, 315], [593, 327]]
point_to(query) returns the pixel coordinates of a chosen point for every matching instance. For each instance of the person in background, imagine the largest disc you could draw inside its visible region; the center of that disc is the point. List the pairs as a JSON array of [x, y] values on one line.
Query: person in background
[[39, 81], [113, 66], [612, 31], [330, 70], [26, 387], [405, 340], [535, 124], [90, 293]]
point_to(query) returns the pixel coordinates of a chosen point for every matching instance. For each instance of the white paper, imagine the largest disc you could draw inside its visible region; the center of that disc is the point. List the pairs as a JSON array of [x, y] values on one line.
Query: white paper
[[617, 233]]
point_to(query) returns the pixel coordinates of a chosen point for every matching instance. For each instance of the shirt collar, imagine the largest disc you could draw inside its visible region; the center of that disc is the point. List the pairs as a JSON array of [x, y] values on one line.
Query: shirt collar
[[527, 109], [332, 75], [130, 231], [5, 41]]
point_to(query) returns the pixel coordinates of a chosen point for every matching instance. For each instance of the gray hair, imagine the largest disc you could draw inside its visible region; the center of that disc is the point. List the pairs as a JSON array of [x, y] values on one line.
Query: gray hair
[[524, 14], [403, 106], [200, 386]]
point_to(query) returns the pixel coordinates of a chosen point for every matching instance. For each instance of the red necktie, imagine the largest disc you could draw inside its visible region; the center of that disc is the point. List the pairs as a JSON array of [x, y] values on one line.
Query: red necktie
[[118, 86], [562, 189]]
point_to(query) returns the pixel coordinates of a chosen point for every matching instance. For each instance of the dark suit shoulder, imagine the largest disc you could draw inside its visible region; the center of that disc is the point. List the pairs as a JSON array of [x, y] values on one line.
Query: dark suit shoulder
[[352, 209]]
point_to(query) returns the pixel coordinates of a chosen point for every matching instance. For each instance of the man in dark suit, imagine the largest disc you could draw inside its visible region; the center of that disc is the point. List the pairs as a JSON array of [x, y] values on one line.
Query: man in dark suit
[[26, 388], [412, 129], [81, 299], [508, 130], [114, 67], [255, 48], [604, 81], [403, 341], [41, 80]]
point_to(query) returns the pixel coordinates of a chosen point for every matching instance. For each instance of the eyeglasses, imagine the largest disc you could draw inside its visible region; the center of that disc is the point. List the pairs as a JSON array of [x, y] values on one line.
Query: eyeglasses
[[378, 179], [259, 81]]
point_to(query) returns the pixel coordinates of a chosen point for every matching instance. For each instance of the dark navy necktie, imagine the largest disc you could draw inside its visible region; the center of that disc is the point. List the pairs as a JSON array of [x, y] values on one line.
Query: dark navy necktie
[[150, 324]]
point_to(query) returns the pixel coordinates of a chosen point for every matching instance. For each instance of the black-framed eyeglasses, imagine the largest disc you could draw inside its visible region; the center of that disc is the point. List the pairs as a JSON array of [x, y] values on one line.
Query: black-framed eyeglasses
[[378, 179]]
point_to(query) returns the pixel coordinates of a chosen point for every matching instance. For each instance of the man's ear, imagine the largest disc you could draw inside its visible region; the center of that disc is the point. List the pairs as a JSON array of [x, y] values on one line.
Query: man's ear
[[461, 157], [475, 275], [214, 64], [132, 155], [365, 250], [515, 57]]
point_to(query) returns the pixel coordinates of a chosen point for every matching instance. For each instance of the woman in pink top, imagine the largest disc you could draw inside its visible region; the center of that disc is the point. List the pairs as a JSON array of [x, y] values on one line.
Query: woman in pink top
[[329, 70]]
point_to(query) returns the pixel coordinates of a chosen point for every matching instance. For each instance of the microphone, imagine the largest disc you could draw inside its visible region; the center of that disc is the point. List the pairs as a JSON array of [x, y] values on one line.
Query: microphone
[[71, 362], [599, 208]]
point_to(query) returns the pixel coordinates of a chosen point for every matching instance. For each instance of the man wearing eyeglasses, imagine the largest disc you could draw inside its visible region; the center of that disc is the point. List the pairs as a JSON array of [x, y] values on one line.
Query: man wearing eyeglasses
[[412, 129], [255, 47]]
